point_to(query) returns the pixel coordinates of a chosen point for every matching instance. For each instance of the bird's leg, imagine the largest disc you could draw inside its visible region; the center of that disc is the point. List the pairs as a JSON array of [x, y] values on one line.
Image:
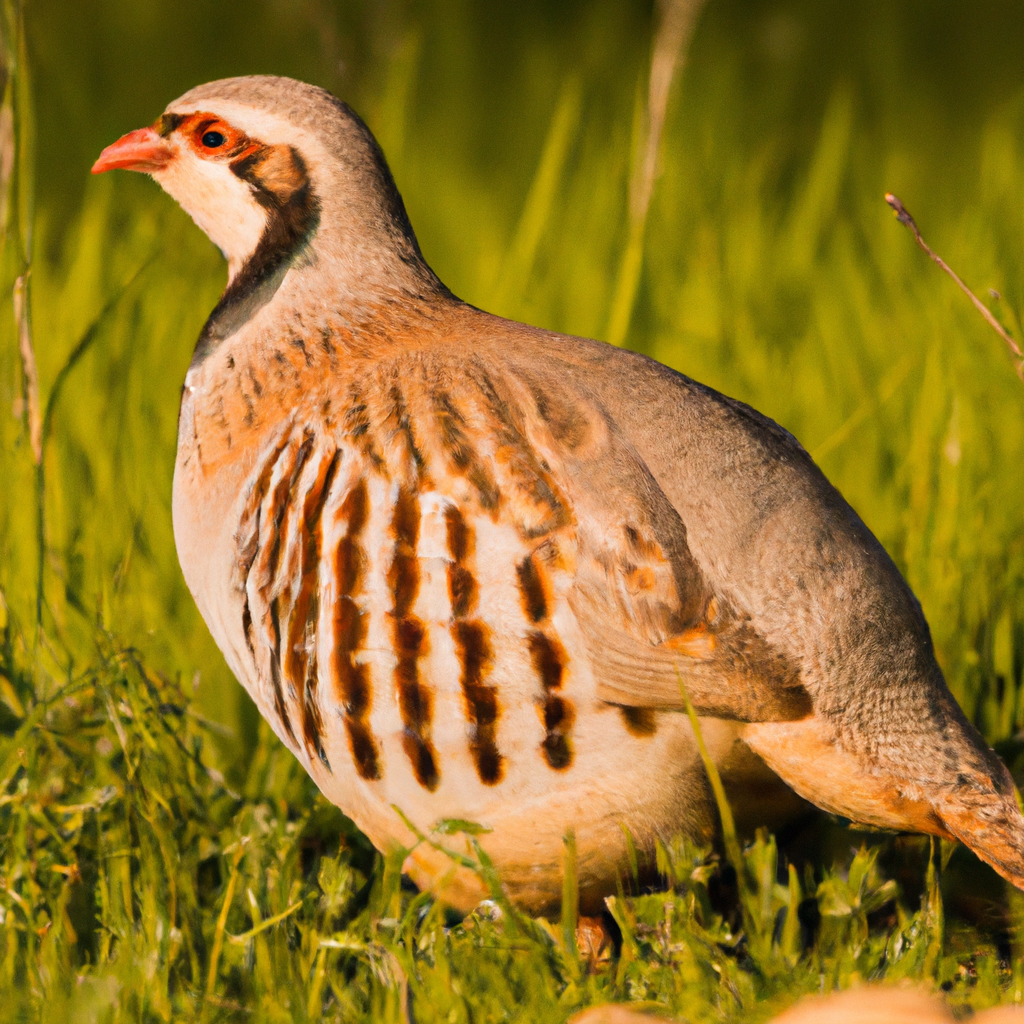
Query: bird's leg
[[594, 940]]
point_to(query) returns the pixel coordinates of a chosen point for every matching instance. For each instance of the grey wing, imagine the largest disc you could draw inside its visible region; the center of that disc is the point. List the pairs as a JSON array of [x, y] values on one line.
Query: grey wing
[[655, 623]]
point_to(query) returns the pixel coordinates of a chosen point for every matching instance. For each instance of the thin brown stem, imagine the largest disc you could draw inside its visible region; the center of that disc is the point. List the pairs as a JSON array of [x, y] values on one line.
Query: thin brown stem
[[19, 224], [671, 43], [28, 368], [904, 217]]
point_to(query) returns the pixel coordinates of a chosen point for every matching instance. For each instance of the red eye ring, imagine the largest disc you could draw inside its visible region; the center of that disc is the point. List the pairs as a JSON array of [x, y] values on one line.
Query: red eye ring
[[211, 137]]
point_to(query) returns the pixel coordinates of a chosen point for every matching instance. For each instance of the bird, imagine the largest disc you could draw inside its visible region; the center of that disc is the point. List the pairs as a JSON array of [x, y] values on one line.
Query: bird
[[472, 571]]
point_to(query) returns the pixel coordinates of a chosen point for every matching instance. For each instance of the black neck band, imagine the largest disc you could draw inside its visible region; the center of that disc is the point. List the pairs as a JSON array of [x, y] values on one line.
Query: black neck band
[[291, 222]]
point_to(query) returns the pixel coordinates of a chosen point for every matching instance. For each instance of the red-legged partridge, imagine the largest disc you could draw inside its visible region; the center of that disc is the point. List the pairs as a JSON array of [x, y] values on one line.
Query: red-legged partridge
[[464, 565]]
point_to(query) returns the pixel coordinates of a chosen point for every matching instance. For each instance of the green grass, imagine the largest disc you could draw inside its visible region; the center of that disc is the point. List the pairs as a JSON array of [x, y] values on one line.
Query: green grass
[[151, 828]]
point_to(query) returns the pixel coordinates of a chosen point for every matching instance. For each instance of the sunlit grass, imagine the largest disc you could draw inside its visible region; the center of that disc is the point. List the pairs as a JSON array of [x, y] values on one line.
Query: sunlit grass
[[136, 877], [161, 855]]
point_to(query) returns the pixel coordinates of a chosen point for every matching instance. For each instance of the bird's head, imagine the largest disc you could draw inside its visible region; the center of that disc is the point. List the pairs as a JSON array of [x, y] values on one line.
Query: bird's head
[[280, 174]]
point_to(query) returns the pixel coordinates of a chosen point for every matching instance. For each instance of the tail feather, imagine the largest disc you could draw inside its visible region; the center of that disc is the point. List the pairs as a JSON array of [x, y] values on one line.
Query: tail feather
[[985, 816], [974, 802]]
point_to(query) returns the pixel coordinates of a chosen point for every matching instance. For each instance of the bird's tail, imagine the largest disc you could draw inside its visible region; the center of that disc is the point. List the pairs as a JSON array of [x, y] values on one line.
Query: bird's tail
[[960, 790], [984, 814]]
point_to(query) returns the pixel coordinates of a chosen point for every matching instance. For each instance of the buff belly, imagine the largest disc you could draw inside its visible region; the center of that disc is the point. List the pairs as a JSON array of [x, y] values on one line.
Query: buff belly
[[595, 770]]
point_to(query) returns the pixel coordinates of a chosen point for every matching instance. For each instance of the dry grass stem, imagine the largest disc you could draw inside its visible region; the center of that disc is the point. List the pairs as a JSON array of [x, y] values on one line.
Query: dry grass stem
[[671, 43], [678, 20], [7, 152], [28, 367], [904, 217]]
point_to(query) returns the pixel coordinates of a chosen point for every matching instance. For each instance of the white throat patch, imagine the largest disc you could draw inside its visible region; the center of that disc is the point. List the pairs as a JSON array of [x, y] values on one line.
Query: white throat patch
[[222, 205]]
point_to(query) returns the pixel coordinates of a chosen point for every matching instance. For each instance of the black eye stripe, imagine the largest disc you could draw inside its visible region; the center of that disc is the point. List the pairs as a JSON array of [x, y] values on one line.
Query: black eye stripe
[[167, 123]]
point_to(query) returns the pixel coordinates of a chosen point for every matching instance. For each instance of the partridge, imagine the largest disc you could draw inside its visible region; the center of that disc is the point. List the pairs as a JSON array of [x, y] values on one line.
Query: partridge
[[466, 567]]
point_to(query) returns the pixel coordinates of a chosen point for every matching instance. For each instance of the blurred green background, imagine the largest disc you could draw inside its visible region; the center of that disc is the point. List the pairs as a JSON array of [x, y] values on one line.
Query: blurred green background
[[772, 269]]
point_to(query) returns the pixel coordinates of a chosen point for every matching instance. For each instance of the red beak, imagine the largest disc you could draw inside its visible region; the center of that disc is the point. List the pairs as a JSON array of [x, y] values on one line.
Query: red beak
[[141, 150]]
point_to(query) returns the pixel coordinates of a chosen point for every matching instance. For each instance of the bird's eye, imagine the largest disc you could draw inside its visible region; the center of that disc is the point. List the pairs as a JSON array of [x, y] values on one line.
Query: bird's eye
[[211, 140]]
